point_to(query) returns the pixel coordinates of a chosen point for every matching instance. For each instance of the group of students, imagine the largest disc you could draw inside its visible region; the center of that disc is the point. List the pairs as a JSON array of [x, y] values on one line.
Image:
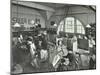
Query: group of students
[[37, 46], [30, 49], [71, 59], [64, 59]]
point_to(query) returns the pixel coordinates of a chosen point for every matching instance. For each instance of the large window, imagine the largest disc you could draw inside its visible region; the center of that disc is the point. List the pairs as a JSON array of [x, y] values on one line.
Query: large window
[[71, 25]]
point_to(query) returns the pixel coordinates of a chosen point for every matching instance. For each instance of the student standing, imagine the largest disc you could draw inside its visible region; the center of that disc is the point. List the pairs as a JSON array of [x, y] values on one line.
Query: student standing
[[75, 45]]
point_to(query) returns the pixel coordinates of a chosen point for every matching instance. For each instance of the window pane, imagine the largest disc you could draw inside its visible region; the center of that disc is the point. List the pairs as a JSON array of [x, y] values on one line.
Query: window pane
[[70, 25], [78, 22]]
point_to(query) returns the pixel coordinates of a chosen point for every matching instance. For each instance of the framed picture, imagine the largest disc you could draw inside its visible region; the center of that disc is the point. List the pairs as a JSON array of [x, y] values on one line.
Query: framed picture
[[69, 46]]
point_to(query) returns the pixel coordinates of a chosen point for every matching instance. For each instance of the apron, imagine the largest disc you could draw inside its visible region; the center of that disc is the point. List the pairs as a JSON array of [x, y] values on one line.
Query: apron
[[32, 50], [44, 54]]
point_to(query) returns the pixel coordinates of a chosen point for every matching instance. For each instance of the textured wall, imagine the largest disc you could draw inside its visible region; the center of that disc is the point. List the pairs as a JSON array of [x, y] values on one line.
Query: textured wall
[[28, 13]]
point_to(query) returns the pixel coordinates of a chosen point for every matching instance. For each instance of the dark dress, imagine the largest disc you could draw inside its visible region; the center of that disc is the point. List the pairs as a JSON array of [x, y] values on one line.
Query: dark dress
[[92, 64]]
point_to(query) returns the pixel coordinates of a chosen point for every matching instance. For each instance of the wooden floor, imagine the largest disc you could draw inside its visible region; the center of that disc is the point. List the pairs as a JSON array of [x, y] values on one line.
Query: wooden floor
[[21, 57]]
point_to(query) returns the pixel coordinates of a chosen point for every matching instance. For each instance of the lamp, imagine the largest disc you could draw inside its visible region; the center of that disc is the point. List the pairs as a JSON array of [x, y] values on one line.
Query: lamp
[[55, 25], [17, 24], [88, 23], [88, 26], [32, 22]]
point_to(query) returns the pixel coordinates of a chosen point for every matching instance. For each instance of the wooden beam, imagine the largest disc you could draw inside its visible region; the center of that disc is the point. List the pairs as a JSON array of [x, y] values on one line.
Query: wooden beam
[[92, 8], [72, 14]]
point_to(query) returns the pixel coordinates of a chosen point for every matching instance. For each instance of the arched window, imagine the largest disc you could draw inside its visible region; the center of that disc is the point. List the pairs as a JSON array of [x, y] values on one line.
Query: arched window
[[71, 25]]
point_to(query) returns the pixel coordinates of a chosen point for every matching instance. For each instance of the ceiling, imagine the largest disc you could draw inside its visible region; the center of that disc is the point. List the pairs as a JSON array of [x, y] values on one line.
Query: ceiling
[[51, 6]]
